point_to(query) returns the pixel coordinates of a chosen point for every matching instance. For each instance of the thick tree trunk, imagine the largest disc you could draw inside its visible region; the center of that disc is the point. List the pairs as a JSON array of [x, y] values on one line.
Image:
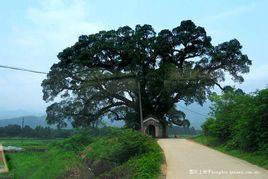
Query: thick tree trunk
[[165, 131]]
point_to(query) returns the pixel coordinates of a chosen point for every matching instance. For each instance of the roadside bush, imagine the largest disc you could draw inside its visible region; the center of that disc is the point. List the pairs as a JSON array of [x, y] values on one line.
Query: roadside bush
[[209, 127], [127, 152], [208, 140], [239, 120], [148, 165], [75, 143], [82, 139], [123, 144], [92, 153]]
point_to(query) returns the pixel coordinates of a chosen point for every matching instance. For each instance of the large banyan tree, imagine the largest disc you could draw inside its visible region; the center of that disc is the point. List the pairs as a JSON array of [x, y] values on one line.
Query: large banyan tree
[[98, 75]]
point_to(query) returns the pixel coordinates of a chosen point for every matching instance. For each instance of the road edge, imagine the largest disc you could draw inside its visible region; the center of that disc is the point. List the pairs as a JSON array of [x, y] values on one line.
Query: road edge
[[244, 161], [5, 169], [163, 174]]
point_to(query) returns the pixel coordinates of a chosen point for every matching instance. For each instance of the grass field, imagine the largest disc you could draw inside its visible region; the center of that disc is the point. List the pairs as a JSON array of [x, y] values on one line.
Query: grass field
[[32, 163], [112, 153], [256, 158], [49, 164], [18, 142]]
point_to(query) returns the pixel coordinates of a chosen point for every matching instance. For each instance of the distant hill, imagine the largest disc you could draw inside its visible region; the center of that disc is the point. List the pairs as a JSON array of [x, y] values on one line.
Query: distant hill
[[34, 121], [182, 131], [195, 113], [7, 114], [31, 121]]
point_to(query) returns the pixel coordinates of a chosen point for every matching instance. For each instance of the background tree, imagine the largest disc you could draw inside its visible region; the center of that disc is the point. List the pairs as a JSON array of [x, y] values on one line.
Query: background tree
[[172, 66], [239, 120], [14, 130]]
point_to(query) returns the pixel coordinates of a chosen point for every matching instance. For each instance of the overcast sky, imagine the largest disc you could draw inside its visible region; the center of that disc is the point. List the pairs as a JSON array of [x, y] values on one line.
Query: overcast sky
[[33, 32]]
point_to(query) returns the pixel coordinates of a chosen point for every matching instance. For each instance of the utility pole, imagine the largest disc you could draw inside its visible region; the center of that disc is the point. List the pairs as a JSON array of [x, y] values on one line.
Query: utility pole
[[140, 105], [22, 126]]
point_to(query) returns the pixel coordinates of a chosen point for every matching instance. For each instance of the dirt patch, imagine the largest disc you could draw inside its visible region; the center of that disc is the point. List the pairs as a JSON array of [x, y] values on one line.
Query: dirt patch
[[84, 153], [78, 173], [163, 168], [163, 171], [3, 163]]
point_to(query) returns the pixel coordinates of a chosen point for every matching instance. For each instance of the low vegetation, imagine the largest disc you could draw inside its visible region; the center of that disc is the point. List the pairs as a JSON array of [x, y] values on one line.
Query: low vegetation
[[106, 153], [126, 154], [14, 130], [24, 142], [2, 165], [239, 125]]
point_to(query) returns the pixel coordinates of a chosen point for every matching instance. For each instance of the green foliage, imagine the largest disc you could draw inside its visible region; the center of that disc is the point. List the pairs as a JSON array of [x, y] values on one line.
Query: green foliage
[[240, 120], [14, 130], [83, 138], [92, 153], [75, 143], [98, 75], [30, 142], [207, 140], [123, 145], [147, 165], [209, 127], [130, 153], [51, 164]]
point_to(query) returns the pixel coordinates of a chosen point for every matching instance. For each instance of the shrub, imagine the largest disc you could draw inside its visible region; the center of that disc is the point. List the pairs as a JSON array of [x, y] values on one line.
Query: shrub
[[75, 143], [209, 127], [130, 153], [240, 120]]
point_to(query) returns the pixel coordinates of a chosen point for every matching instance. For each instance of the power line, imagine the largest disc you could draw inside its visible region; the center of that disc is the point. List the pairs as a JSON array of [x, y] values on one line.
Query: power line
[[22, 69], [193, 111], [106, 79], [40, 72]]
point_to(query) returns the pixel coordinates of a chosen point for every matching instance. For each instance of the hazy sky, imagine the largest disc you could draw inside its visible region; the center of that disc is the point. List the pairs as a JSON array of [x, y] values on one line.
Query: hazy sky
[[33, 32]]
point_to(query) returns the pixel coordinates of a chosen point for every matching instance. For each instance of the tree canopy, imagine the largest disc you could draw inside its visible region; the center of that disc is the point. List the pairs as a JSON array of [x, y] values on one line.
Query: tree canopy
[[239, 120], [97, 76]]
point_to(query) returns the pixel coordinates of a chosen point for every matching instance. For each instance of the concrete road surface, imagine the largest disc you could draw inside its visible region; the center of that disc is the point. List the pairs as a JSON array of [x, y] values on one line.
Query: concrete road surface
[[188, 159]]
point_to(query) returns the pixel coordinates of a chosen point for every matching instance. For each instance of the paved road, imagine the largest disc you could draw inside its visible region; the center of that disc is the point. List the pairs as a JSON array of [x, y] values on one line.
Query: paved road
[[188, 159]]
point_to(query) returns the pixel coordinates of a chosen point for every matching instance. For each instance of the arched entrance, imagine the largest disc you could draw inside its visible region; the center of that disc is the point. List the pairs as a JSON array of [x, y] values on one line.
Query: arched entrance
[[151, 130]]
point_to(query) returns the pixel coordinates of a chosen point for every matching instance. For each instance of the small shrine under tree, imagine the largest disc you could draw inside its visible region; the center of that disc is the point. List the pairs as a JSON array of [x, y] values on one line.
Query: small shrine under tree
[[155, 128]]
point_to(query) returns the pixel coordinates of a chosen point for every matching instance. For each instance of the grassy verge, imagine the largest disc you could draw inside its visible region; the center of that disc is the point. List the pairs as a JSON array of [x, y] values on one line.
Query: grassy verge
[[118, 154], [1, 164], [110, 153], [131, 155], [257, 158], [51, 163], [27, 143]]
